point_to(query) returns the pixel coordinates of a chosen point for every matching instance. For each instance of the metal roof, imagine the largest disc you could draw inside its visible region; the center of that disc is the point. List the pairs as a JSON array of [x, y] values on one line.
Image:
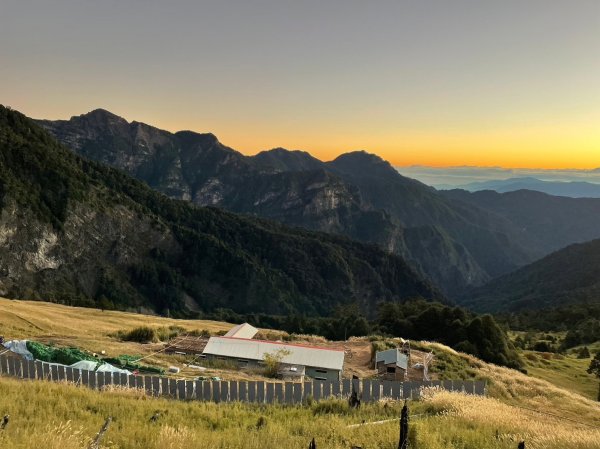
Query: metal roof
[[392, 356], [241, 348], [244, 330]]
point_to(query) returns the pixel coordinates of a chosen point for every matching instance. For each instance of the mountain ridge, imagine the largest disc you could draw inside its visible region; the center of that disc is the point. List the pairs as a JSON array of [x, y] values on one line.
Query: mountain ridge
[[79, 232], [566, 277], [572, 189], [455, 241]]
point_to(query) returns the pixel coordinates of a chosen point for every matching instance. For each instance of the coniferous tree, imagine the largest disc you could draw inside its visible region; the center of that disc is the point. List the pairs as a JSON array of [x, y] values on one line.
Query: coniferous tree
[[594, 369]]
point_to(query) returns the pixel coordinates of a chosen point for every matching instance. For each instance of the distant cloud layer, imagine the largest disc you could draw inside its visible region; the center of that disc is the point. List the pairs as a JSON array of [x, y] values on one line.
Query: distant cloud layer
[[451, 177]]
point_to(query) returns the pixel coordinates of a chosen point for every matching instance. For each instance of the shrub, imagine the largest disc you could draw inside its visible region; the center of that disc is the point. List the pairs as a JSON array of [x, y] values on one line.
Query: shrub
[[167, 333], [273, 361], [261, 422], [142, 334], [200, 333], [331, 407], [584, 353], [543, 346], [531, 356]]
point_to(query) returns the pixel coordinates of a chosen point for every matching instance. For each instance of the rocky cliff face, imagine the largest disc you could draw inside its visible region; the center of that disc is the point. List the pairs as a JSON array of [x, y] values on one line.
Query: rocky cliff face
[[41, 262]]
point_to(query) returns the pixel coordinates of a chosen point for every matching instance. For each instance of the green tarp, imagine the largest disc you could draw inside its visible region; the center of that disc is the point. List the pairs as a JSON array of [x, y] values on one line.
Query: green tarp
[[69, 356]]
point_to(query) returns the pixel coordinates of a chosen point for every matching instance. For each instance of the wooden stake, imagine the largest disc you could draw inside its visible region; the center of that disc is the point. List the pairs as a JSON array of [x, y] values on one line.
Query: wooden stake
[[96, 443]]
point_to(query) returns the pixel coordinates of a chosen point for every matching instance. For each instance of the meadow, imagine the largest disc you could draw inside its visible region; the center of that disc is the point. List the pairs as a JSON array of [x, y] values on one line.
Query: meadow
[[518, 407], [61, 416]]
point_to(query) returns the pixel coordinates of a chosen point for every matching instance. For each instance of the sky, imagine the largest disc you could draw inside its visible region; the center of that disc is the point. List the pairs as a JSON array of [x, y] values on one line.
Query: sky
[[507, 83]]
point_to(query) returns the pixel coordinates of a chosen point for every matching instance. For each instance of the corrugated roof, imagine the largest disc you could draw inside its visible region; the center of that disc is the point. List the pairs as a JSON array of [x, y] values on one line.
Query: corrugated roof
[[244, 330], [242, 348], [392, 356]]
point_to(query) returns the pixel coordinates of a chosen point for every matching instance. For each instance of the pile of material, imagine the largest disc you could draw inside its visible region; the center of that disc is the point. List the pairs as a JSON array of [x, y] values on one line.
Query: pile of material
[[62, 356]]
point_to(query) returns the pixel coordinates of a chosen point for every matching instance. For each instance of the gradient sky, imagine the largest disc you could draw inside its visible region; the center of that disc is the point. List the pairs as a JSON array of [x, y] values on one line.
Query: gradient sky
[[450, 82]]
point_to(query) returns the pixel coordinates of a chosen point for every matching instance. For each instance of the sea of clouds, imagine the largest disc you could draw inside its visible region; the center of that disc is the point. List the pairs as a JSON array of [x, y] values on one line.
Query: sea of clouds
[[452, 177]]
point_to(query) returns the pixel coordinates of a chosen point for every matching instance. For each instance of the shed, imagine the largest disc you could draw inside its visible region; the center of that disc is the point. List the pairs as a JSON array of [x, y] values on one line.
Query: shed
[[391, 364]]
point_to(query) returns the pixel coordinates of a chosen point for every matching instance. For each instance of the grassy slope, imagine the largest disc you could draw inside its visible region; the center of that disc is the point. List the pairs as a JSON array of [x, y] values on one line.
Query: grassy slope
[[566, 372], [64, 416], [86, 328]]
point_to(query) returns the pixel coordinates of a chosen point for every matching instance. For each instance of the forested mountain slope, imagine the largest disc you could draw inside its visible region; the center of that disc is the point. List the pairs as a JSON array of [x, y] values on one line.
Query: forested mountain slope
[[79, 232]]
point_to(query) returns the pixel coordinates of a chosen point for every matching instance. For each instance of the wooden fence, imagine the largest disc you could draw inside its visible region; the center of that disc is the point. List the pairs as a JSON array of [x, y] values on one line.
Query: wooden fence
[[224, 391]]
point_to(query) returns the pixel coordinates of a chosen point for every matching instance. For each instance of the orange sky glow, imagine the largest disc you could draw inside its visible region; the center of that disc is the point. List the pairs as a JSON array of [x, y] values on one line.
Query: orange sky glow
[[438, 83]]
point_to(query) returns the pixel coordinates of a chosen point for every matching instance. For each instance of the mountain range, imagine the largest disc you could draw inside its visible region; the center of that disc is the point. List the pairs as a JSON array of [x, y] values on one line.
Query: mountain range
[[79, 232], [573, 189], [548, 222], [457, 239]]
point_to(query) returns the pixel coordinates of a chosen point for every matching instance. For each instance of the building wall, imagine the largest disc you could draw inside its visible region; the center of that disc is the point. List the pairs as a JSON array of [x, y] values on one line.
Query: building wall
[[321, 373], [398, 373], [313, 372]]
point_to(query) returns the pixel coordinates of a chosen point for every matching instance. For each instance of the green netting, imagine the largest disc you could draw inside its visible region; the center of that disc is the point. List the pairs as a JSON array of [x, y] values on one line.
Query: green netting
[[65, 356], [69, 356]]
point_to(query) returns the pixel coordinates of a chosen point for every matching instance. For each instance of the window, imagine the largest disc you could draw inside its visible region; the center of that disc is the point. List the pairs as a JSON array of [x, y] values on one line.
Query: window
[[320, 378], [321, 371], [391, 369], [243, 362]]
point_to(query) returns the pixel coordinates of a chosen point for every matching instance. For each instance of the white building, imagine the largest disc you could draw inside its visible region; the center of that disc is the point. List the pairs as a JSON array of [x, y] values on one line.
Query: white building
[[316, 362]]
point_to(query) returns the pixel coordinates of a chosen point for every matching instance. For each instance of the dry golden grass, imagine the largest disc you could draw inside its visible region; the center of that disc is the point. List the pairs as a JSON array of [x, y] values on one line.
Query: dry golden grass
[[507, 424], [565, 371], [64, 416], [515, 388], [90, 329]]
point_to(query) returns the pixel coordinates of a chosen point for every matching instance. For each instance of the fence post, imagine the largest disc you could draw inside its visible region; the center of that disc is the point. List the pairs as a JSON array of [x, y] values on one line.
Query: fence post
[[279, 393], [403, 442], [224, 391], [233, 391], [96, 443], [216, 391], [243, 392], [289, 393], [270, 393]]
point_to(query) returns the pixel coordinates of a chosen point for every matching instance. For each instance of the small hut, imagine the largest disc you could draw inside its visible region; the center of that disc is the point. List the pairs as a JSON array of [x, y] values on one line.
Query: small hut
[[391, 364]]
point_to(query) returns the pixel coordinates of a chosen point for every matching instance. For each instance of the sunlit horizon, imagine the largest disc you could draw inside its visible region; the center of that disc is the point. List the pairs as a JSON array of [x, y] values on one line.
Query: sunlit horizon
[[511, 84]]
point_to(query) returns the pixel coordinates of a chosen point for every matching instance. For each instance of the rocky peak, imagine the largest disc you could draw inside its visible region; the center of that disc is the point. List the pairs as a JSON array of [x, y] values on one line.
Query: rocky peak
[[288, 160], [361, 163], [101, 118]]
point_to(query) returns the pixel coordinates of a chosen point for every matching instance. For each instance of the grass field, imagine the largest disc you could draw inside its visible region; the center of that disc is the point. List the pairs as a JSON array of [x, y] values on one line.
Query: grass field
[[64, 416], [91, 329], [565, 371]]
